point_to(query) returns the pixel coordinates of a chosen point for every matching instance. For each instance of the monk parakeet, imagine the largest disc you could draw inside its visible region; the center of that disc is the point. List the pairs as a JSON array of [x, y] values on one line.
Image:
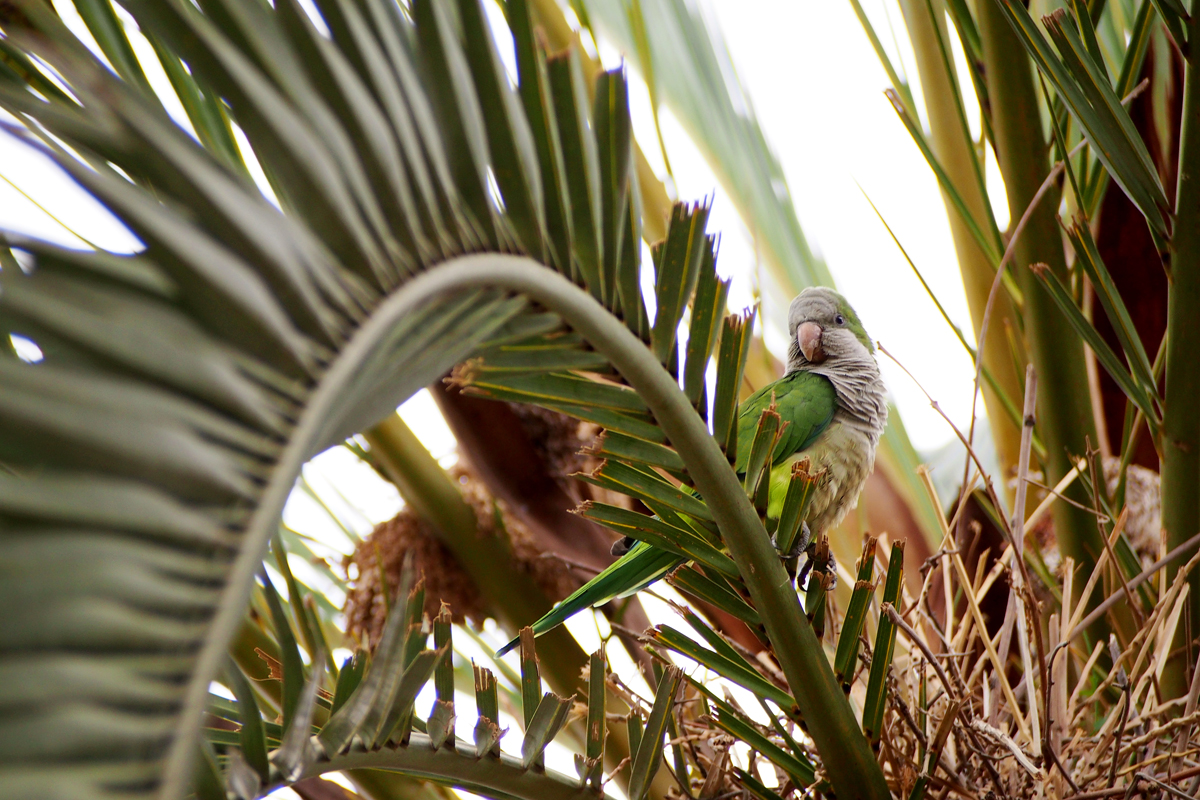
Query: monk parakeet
[[833, 403]]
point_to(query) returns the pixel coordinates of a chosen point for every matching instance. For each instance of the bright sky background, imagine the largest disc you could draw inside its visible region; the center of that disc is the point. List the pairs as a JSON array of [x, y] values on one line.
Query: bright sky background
[[817, 89]]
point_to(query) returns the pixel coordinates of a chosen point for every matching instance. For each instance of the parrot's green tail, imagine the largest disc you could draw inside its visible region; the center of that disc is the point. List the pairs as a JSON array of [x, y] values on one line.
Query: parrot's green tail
[[637, 569]]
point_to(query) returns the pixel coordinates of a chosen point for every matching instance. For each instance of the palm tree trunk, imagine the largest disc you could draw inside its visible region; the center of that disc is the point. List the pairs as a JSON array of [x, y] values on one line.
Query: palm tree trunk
[[1181, 423], [955, 153], [1065, 419]]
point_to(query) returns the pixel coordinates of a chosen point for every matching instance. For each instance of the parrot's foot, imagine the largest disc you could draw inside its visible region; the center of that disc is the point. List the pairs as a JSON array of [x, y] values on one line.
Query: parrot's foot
[[802, 575], [801, 544], [623, 546], [831, 572], [792, 556], [829, 568]]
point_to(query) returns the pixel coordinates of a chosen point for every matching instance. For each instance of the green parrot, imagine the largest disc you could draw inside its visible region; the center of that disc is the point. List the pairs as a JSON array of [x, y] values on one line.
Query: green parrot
[[834, 406]]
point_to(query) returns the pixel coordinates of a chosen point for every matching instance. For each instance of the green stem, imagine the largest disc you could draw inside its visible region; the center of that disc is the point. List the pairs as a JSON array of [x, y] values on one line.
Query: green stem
[[831, 723], [1181, 424], [1064, 412], [832, 726], [956, 153]]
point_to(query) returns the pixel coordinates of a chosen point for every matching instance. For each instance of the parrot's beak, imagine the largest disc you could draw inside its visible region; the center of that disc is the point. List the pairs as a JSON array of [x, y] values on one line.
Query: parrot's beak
[[808, 336]]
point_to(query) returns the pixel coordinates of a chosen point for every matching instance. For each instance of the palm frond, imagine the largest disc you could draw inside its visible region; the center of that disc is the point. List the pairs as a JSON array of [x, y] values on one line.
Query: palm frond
[[427, 211], [370, 722]]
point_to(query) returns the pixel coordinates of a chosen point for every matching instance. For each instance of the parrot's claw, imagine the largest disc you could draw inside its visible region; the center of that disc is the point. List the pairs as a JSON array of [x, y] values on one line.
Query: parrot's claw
[[792, 557], [804, 540], [802, 575], [798, 547], [829, 568], [831, 571]]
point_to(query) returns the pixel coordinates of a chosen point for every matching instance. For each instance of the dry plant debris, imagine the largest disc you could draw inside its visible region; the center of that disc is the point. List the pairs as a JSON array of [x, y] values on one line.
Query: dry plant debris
[[1038, 708], [565, 445], [384, 551]]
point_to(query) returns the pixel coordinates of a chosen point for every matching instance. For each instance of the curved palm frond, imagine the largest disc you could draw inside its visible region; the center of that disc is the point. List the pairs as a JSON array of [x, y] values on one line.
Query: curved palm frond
[[368, 722], [148, 456]]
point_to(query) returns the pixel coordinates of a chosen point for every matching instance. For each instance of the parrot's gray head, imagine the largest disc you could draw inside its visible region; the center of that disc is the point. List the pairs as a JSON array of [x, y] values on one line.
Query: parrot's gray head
[[825, 329], [828, 338]]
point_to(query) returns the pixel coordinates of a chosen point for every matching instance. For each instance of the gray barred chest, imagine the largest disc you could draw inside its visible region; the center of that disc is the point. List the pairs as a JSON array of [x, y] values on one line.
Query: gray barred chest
[[847, 456]]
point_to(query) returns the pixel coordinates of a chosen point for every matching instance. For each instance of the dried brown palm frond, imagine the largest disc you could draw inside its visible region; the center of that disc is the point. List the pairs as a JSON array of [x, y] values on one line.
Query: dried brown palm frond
[[1103, 731]]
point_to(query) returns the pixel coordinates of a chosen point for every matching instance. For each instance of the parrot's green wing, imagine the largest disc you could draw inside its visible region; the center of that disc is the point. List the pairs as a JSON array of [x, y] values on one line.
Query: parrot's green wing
[[637, 569], [805, 402]]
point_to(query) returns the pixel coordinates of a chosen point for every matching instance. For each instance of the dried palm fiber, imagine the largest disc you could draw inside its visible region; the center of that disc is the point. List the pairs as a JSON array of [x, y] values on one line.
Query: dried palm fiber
[[384, 550], [445, 579], [1143, 527], [564, 445], [557, 438]]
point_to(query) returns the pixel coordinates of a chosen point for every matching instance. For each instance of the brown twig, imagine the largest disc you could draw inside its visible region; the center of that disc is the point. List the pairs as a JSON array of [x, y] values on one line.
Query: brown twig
[[1128, 698], [1120, 790], [1050, 754], [571, 563], [1021, 588], [1185, 733], [1168, 788], [1100, 516], [1141, 578], [913, 637], [1097, 473], [1055, 493], [1028, 421]]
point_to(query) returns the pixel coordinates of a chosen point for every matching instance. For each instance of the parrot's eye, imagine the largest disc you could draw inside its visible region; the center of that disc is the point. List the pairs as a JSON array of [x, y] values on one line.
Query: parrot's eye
[[839, 319]]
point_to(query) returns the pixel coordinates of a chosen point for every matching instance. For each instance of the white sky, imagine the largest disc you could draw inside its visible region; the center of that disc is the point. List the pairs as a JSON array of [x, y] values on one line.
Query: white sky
[[817, 89]]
